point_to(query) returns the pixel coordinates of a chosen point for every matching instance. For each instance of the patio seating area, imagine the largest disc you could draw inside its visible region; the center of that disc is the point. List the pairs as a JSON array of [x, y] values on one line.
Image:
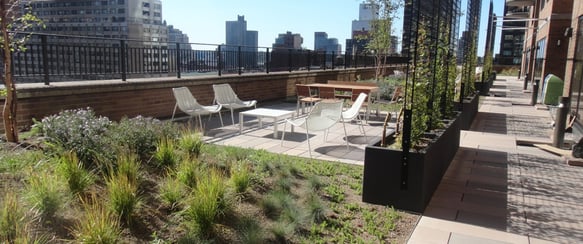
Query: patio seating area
[[333, 148]]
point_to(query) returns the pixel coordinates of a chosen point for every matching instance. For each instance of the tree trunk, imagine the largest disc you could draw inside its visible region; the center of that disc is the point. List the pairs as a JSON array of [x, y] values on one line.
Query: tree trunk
[[9, 111]]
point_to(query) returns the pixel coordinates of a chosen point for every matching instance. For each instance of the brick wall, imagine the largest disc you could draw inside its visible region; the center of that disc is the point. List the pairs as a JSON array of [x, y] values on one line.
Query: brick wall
[[153, 97]]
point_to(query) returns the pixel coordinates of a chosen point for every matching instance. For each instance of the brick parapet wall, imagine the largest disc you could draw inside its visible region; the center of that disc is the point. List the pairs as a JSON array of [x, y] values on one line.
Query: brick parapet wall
[[153, 96]]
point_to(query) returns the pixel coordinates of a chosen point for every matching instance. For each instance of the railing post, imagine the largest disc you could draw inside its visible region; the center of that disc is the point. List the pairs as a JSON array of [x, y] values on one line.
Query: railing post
[[178, 60], [333, 59], [123, 57], [289, 60], [309, 59], [239, 60], [45, 59], [267, 61], [220, 60], [346, 60]]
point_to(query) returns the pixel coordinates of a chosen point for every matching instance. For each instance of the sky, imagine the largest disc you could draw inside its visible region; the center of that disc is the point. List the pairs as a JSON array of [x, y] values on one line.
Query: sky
[[204, 21]]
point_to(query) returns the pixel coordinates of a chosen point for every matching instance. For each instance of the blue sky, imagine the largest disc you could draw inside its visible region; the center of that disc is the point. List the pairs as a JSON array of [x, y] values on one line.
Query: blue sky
[[204, 21]]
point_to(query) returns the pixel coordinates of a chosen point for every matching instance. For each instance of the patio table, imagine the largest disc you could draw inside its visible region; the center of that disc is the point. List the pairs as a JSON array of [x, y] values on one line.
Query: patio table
[[260, 113]]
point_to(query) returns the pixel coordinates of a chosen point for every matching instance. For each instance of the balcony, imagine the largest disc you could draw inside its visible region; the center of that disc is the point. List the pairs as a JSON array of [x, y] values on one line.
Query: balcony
[[518, 13], [519, 3]]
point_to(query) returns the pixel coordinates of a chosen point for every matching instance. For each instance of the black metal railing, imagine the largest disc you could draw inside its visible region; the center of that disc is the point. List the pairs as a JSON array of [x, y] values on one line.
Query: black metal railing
[[52, 58]]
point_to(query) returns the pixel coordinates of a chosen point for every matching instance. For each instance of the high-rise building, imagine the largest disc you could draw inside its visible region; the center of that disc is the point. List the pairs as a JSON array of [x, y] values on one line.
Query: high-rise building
[[138, 21], [512, 38], [239, 39], [176, 36], [328, 45], [490, 30], [361, 27], [124, 19], [288, 41]]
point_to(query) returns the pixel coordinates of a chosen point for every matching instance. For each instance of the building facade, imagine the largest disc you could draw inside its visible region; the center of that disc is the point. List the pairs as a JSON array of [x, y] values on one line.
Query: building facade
[[513, 30], [324, 44], [241, 44], [360, 28], [138, 22]]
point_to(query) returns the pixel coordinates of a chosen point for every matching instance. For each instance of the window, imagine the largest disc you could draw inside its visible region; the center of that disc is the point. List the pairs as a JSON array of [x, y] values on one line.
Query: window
[[146, 5], [508, 37], [121, 11], [120, 2]]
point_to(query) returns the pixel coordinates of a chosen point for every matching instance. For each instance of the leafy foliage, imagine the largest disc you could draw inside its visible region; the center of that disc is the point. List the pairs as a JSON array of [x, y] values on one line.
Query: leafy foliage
[[140, 134], [80, 131]]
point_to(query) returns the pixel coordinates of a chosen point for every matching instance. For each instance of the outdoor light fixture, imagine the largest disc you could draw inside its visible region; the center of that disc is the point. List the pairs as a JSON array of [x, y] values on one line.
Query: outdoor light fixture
[[568, 32]]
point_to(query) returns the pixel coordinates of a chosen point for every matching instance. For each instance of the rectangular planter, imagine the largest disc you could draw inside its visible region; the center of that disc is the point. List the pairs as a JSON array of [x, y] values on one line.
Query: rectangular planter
[[383, 169], [469, 110]]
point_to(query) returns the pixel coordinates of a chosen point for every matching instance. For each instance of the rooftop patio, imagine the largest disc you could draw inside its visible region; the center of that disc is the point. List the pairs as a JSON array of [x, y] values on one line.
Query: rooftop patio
[[495, 191]]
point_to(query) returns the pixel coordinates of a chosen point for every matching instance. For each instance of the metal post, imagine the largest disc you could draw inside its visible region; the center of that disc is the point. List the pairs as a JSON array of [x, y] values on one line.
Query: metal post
[[220, 62], [239, 60], [45, 59], [534, 96], [526, 79], [178, 61], [123, 57], [560, 122], [267, 61], [289, 60]]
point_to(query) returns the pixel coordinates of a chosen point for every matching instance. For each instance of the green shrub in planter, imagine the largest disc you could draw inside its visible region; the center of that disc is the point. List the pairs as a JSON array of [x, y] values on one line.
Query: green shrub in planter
[[80, 131]]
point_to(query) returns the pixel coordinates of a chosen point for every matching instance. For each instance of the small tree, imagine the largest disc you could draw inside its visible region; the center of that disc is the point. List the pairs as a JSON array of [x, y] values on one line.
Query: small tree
[[379, 36], [14, 17]]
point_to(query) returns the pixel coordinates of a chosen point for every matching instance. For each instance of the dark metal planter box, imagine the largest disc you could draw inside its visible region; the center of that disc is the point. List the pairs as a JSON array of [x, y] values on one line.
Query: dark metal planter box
[[382, 171], [469, 110]]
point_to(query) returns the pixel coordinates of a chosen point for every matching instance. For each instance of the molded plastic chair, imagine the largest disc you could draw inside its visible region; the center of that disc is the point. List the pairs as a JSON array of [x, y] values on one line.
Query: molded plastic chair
[[323, 116], [188, 104], [367, 103], [353, 113], [305, 97], [226, 97]]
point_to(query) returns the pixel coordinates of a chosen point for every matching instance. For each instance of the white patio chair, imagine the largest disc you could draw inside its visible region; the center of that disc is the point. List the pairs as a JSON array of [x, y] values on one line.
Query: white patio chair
[[323, 116], [226, 97], [188, 104], [353, 113]]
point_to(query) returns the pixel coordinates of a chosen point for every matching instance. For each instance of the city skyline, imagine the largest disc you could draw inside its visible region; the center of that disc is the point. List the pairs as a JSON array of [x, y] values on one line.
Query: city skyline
[[271, 18]]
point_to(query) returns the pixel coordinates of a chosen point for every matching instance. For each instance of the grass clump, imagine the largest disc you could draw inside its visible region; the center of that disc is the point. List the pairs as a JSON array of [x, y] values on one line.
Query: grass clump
[[45, 195], [12, 219], [171, 192], [123, 196], [191, 142], [208, 203], [188, 172], [250, 230], [14, 161], [274, 203], [72, 170], [97, 225], [128, 165], [241, 177], [165, 155]]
